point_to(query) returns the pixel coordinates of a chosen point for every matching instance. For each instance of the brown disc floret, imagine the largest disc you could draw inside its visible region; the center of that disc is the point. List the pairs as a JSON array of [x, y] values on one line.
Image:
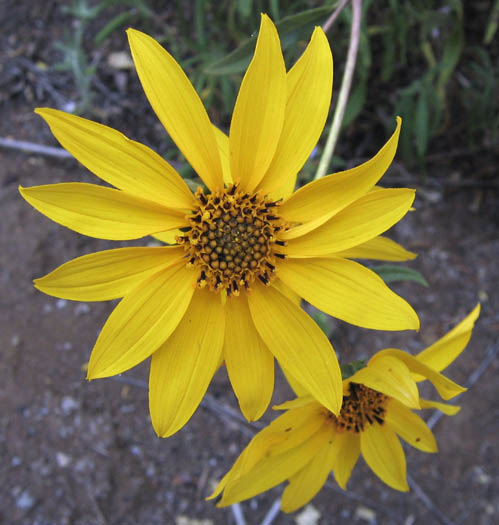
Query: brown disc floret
[[361, 407], [232, 239]]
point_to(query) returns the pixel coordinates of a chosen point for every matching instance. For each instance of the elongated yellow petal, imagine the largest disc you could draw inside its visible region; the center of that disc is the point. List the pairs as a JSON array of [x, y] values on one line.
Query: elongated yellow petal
[[347, 447], [293, 383], [101, 212], [390, 376], [177, 106], [442, 353], [142, 321], [450, 410], [409, 426], [383, 452], [259, 111], [349, 291], [124, 163], [309, 87], [274, 469], [182, 368], [327, 196], [224, 151], [268, 437], [379, 248], [299, 344], [306, 483], [249, 363], [168, 237], [302, 401], [287, 291], [445, 387], [107, 275], [364, 219]]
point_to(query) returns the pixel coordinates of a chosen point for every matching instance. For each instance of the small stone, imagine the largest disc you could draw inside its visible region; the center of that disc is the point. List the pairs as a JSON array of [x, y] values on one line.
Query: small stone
[[61, 303], [15, 340], [365, 514], [63, 460], [308, 516], [47, 308], [68, 405], [82, 309], [135, 450], [16, 461], [25, 501]]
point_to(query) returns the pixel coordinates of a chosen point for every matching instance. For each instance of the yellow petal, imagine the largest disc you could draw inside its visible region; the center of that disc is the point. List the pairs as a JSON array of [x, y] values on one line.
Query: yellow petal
[[390, 376], [293, 383], [286, 290], [450, 410], [364, 219], [349, 291], [383, 452], [440, 354], [101, 212], [124, 163], [107, 275], [325, 197], [274, 469], [249, 363], [182, 368], [302, 401], [409, 426], [379, 248], [142, 321], [224, 151], [347, 447], [259, 111], [306, 483], [445, 387], [298, 343], [177, 106], [168, 237], [268, 437], [309, 86]]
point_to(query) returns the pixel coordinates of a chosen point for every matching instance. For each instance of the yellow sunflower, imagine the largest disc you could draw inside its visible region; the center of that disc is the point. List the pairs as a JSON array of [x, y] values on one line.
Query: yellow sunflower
[[305, 443], [243, 245]]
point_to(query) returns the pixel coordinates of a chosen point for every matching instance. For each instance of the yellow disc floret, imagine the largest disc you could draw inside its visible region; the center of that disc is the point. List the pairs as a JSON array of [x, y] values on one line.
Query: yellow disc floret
[[232, 239]]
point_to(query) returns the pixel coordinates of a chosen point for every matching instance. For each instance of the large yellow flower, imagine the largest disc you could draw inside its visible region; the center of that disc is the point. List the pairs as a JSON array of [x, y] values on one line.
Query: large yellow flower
[[305, 443], [221, 293]]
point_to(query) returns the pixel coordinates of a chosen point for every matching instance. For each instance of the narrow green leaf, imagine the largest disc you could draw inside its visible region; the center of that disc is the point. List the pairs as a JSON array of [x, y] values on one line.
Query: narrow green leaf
[[390, 273], [115, 22], [291, 29], [422, 126]]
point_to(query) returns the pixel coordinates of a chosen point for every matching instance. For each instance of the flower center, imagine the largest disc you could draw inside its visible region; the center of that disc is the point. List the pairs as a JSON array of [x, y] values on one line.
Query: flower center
[[232, 239], [363, 406]]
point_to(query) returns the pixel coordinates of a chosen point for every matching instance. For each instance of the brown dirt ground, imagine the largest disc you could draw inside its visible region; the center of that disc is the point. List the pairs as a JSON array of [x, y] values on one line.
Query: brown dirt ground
[[83, 453]]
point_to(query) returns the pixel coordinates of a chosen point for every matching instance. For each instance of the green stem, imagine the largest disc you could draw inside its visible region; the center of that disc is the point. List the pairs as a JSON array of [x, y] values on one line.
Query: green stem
[[346, 83]]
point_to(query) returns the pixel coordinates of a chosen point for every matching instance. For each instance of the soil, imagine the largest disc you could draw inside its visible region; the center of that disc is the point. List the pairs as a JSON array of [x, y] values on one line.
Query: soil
[[85, 453]]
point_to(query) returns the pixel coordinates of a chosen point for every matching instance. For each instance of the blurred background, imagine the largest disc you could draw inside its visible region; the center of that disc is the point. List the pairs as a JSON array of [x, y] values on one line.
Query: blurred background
[[85, 453]]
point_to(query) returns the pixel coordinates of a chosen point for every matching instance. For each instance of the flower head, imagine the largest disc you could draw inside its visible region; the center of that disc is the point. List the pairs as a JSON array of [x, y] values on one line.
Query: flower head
[[243, 245], [307, 442]]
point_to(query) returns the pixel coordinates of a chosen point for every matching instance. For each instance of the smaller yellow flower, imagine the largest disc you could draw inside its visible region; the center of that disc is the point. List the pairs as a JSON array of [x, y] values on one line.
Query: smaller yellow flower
[[306, 442]]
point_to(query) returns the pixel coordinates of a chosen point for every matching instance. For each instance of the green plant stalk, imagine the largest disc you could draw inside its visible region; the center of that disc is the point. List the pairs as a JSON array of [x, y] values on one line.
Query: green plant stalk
[[346, 84]]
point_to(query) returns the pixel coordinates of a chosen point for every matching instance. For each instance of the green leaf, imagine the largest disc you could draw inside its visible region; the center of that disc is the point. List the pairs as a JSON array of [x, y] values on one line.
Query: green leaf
[[390, 273], [355, 103], [349, 369], [291, 29], [116, 22], [422, 125], [244, 7]]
